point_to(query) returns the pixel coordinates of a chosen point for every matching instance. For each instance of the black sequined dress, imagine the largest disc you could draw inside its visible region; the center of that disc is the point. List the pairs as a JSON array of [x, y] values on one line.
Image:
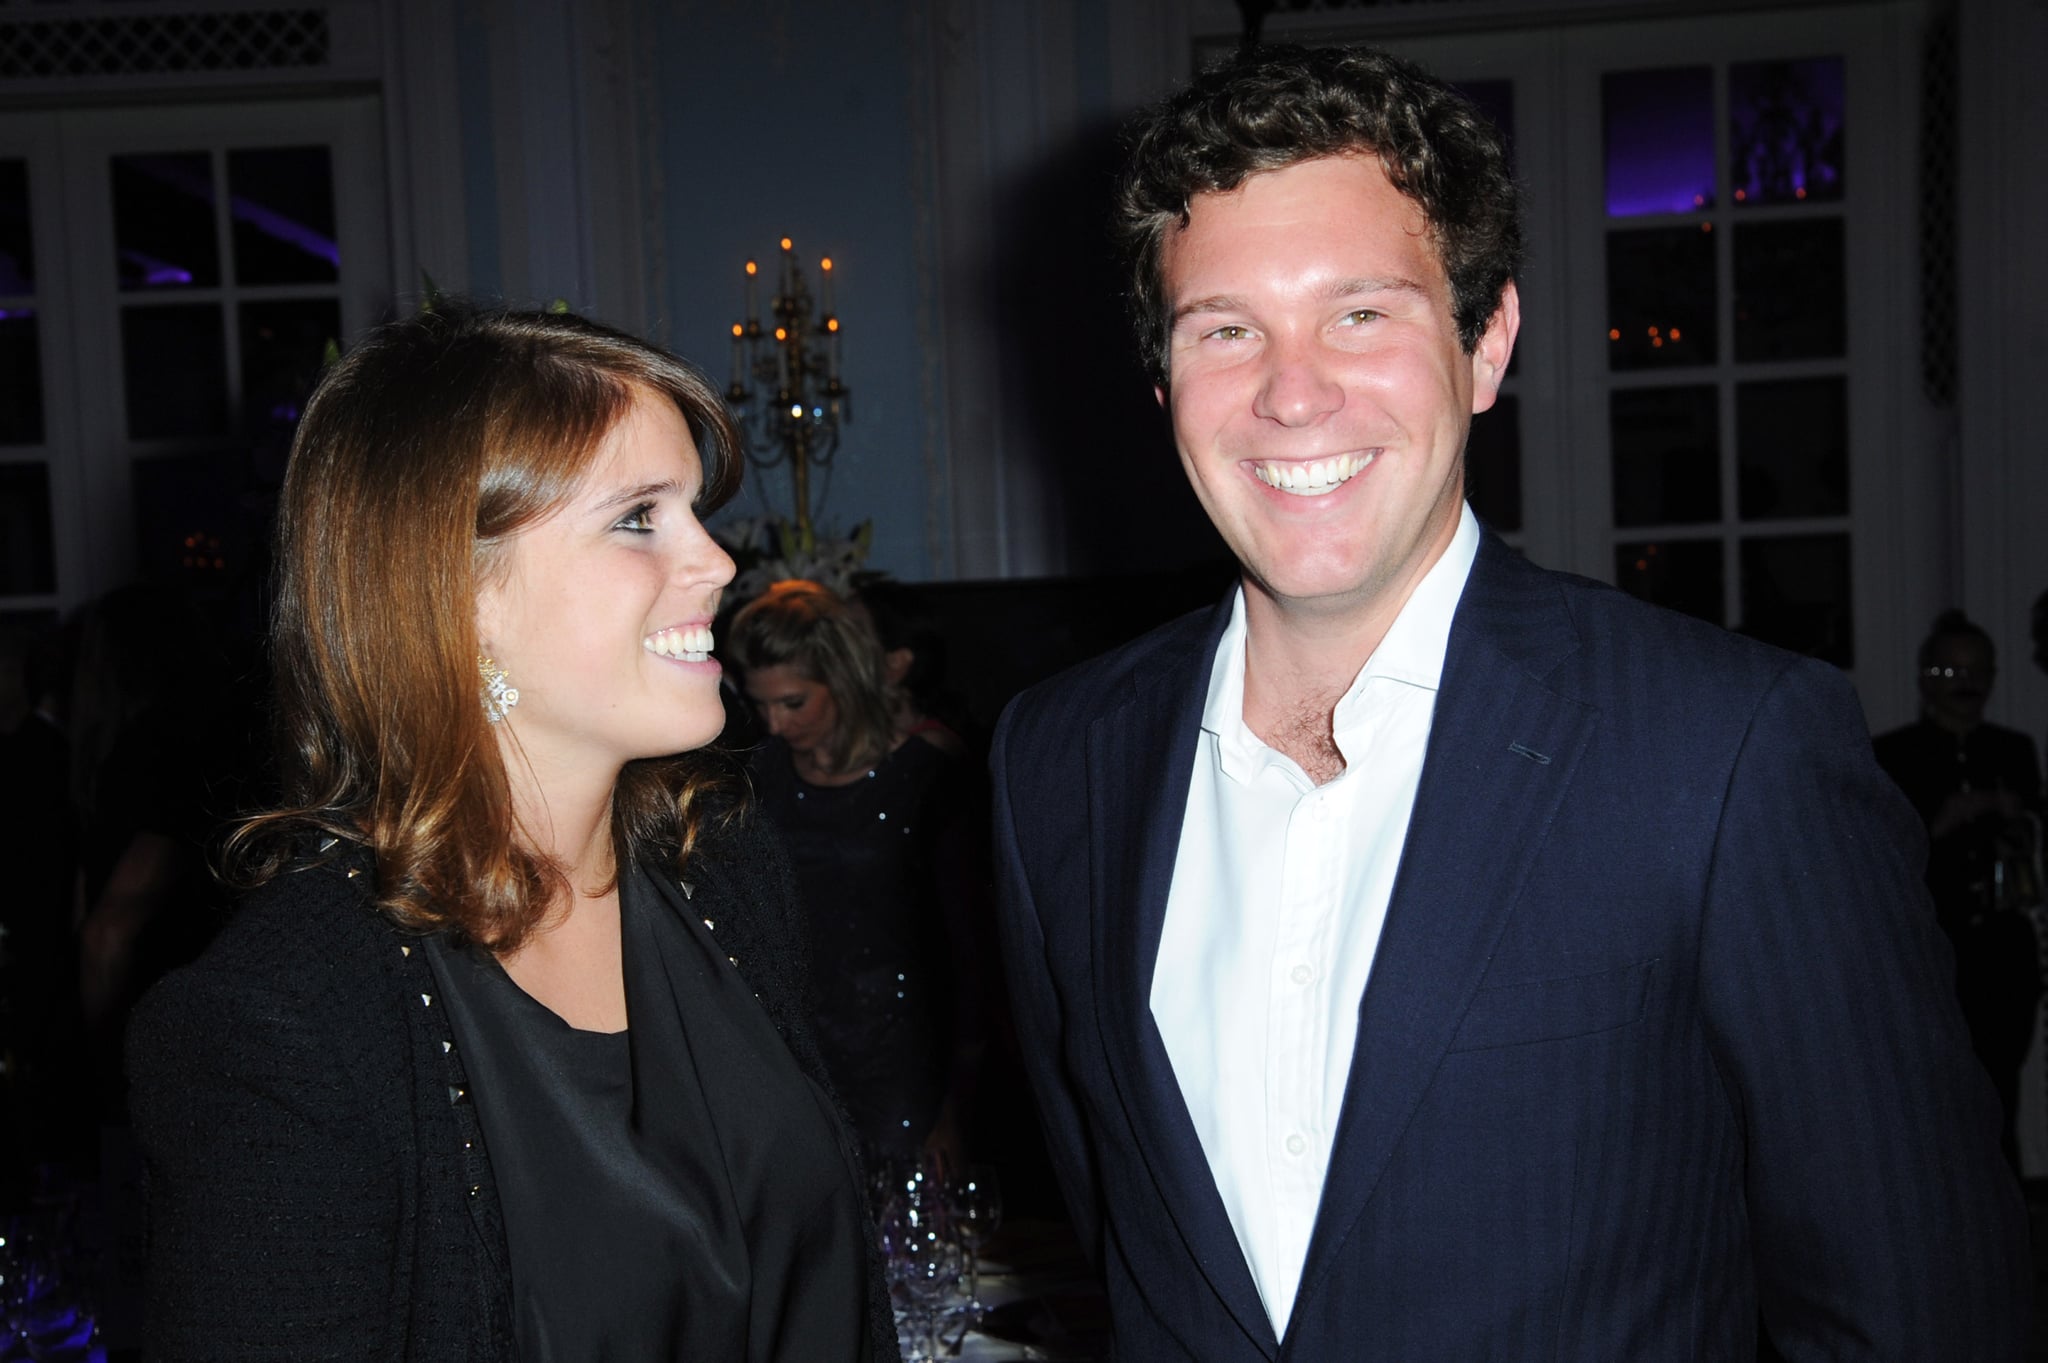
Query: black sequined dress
[[868, 865]]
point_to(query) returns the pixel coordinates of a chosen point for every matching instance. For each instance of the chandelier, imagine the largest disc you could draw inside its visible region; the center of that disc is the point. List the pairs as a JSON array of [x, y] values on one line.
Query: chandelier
[[785, 387]]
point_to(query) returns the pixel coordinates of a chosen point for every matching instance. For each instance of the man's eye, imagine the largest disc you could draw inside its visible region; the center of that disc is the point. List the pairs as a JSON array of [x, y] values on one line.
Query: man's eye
[[1358, 317], [640, 519], [1232, 332]]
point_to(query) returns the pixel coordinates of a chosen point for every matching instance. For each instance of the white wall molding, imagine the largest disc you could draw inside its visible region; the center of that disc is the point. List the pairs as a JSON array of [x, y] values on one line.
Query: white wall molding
[[2003, 337], [1007, 98], [423, 147]]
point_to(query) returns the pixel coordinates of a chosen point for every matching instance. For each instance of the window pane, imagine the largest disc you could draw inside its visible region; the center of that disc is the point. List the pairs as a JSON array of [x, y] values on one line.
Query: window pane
[[1659, 129], [1667, 455], [1789, 302], [282, 346], [17, 246], [1792, 448], [1684, 575], [1785, 130], [192, 522], [1795, 594], [21, 378], [163, 221], [1660, 297], [1493, 465], [28, 566], [282, 202], [174, 361]]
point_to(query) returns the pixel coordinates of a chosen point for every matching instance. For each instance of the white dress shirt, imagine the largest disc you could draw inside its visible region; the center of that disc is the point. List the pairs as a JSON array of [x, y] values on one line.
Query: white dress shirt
[[1279, 891]]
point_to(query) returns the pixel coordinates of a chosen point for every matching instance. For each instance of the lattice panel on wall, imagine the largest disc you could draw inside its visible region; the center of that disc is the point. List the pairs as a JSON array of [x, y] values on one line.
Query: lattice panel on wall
[[1332, 6], [160, 44], [1938, 162]]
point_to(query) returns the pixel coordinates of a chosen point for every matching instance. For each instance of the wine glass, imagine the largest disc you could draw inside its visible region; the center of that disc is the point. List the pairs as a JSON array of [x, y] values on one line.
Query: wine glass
[[977, 1215], [922, 1262]]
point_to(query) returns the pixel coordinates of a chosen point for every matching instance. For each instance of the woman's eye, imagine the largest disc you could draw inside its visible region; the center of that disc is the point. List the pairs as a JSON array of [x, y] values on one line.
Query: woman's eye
[[640, 519], [1232, 332]]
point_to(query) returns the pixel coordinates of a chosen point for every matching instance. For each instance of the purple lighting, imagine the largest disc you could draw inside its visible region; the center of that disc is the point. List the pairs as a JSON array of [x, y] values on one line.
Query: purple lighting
[[284, 229], [157, 273], [170, 172], [1660, 140], [1785, 130]]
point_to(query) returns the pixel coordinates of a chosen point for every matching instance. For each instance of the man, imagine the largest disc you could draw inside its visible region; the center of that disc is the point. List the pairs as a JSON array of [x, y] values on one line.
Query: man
[[1974, 784], [1425, 956]]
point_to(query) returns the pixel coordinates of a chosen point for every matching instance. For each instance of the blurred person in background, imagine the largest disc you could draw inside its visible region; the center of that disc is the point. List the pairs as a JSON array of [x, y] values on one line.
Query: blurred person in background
[[913, 659], [1977, 786], [881, 825]]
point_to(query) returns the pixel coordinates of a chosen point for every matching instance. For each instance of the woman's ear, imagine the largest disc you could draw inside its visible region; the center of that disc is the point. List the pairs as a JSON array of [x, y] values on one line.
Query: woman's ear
[[490, 611], [896, 665]]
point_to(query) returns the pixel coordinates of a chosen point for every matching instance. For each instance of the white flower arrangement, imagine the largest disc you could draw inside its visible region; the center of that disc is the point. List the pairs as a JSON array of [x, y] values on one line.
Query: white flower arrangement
[[768, 549]]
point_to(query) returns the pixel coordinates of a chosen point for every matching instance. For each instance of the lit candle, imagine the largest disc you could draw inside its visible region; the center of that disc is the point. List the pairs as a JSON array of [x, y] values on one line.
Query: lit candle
[[825, 271], [753, 301], [788, 271], [832, 329], [739, 329], [782, 363]]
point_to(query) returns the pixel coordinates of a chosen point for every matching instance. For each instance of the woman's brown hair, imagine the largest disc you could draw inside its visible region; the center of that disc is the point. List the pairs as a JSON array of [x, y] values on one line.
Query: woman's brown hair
[[802, 625], [421, 453]]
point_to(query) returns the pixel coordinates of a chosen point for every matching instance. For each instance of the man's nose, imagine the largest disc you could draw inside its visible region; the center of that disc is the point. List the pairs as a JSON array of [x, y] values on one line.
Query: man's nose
[[1299, 388]]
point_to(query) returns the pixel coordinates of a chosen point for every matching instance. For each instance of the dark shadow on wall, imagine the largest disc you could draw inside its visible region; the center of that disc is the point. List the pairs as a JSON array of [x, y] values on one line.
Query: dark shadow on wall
[[1072, 372]]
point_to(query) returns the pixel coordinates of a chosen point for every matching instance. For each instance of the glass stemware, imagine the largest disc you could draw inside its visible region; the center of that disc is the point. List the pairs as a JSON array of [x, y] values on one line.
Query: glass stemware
[[977, 1215]]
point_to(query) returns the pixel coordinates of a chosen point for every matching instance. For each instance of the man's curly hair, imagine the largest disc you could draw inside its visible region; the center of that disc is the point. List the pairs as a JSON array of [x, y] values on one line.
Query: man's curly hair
[[1278, 106]]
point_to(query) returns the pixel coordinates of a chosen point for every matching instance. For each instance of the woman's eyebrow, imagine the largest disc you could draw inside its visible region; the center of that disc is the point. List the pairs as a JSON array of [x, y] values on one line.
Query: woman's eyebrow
[[646, 491]]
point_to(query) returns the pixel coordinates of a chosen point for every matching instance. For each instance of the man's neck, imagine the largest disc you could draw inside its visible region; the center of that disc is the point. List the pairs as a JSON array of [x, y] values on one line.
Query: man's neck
[[1301, 658], [1296, 668]]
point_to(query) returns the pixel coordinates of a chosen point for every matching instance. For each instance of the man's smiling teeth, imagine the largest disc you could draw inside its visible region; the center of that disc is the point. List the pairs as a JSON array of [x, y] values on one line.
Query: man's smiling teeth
[[691, 645], [1313, 478]]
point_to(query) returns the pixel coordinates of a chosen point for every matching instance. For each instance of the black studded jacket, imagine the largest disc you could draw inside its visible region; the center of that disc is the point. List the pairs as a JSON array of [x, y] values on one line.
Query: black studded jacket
[[317, 1186]]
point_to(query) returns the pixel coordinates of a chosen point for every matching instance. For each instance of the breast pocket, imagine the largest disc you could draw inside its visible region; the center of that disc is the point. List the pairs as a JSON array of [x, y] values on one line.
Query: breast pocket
[[1552, 1010]]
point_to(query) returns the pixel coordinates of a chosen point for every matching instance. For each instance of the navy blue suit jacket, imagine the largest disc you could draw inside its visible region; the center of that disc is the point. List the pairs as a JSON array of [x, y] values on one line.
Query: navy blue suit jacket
[[1660, 1038]]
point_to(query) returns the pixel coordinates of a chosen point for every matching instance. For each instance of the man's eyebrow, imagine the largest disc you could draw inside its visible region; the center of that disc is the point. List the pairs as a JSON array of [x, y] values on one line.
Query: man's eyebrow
[[1222, 302], [1346, 288], [668, 487], [1337, 288]]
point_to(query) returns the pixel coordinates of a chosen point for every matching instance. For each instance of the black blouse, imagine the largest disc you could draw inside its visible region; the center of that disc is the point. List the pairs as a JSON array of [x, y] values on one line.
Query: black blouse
[[674, 1191]]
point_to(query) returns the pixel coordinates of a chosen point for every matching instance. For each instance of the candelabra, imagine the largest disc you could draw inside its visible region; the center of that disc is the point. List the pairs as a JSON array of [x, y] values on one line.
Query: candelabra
[[785, 386]]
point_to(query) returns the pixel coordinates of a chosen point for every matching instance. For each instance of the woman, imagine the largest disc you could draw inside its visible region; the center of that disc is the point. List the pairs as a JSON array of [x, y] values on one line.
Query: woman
[[501, 1057], [879, 825]]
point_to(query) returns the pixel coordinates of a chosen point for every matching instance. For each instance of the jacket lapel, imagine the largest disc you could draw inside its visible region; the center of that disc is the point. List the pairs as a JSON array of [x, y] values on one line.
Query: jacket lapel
[[1140, 761], [1502, 751]]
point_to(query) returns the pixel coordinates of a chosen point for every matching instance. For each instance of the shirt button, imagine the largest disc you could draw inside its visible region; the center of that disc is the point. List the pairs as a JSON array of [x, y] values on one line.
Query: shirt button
[[1321, 812], [1295, 1145], [1301, 974]]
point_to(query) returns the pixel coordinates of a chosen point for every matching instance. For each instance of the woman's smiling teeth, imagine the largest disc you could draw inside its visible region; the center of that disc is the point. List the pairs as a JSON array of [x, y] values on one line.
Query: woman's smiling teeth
[[691, 645], [1314, 478]]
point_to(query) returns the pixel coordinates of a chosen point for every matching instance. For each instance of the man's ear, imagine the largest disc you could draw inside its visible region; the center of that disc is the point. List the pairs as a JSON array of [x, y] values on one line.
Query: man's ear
[[1159, 395], [1496, 345]]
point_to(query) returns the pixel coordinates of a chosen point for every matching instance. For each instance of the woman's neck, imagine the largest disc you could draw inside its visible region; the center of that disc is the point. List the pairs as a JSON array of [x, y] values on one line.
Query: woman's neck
[[571, 962], [811, 766]]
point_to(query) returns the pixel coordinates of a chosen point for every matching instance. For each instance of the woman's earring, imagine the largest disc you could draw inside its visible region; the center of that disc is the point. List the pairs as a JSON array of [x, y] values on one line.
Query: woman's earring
[[498, 695]]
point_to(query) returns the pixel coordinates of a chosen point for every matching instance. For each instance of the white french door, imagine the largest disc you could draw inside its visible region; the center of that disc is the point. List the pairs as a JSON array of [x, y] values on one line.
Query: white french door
[[170, 280]]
